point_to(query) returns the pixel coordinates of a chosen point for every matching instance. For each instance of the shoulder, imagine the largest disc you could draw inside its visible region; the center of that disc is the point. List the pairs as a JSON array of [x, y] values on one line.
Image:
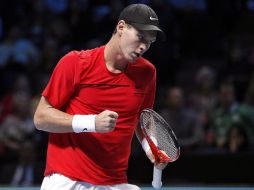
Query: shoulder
[[89, 53], [142, 67], [81, 57], [145, 64]]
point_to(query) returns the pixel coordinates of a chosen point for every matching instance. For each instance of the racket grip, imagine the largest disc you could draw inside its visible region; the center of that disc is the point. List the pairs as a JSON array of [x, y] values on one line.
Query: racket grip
[[156, 183]]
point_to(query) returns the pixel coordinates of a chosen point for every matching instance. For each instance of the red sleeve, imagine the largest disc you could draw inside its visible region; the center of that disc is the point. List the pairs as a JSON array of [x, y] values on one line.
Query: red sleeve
[[63, 81], [148, 102], [150, 92]]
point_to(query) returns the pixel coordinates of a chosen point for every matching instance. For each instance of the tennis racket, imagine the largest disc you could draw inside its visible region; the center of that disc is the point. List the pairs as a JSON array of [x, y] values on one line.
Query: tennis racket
[[161, 139]]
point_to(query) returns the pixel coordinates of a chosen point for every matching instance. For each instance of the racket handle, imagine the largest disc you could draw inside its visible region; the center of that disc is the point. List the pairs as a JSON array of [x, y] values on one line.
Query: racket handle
[[157, 178]]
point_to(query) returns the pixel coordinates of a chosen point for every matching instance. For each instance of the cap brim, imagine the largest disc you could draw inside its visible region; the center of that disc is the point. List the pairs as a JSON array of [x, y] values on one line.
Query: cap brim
[[146, 27]]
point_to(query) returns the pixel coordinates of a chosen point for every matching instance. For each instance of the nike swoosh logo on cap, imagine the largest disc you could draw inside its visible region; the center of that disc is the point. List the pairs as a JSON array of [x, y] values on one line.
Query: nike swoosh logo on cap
[[152, 18]]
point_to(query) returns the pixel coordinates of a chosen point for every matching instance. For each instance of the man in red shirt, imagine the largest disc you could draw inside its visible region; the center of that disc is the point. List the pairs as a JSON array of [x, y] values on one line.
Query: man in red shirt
[[92, 104]]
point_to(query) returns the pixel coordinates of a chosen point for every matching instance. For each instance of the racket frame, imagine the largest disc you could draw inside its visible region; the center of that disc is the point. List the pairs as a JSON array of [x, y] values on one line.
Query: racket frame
[[159, 156]]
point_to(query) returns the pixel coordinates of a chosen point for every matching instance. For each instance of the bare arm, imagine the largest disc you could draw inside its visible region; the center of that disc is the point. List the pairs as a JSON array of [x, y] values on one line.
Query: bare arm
[[48, 118]]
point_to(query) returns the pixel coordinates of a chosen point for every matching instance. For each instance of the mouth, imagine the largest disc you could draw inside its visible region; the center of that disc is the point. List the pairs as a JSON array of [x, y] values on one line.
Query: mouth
[[136, 55]]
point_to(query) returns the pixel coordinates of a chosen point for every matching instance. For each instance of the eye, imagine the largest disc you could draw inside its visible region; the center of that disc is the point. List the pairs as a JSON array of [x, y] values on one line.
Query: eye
[[145, 40], [140, 37]]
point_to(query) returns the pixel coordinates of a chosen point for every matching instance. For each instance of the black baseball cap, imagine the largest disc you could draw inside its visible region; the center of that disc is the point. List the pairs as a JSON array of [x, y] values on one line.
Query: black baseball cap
[[143, 18]]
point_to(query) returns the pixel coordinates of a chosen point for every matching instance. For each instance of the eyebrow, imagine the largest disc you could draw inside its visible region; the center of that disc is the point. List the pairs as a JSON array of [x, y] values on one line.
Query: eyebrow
[[150, 40]]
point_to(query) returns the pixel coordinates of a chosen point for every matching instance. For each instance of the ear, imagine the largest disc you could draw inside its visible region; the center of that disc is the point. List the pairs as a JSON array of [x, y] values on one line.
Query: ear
[[120, 26]]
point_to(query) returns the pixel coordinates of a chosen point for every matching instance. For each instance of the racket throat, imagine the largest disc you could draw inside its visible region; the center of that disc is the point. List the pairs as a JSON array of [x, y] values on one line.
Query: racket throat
[[159, 156]]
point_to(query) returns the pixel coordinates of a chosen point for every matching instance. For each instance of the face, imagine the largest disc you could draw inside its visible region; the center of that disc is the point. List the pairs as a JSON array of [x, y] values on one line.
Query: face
[[226, 95], [134, 43], [175, 97]]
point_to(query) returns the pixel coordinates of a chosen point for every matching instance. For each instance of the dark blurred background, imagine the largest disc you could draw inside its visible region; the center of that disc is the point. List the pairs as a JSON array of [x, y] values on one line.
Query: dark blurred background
[[205, 83]]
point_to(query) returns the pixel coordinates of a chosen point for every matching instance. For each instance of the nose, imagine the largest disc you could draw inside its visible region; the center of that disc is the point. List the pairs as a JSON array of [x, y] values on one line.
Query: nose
[[143, 47]]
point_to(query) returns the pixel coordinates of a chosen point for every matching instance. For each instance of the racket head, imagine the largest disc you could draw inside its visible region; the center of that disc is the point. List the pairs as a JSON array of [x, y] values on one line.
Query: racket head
[[155, 128]]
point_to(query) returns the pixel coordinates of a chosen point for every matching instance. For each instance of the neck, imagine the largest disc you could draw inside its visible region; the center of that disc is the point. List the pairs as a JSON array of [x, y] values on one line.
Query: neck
[[113, 56]]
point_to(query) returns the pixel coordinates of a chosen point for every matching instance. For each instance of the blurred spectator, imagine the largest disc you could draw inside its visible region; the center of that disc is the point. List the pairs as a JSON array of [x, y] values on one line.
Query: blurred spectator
[[223, 117], [184, 122], [248, 104], [58, 30], [49, 54], [18, 48], [7, 46], [204, 96], [249, 96], [229, 112], [238, 67], [25, 52], [237, 139], [38, 24], [21, 84], [16, 134]]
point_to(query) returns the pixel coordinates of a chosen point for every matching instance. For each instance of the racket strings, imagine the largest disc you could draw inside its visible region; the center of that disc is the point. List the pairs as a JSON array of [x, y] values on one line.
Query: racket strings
[[158, 129]]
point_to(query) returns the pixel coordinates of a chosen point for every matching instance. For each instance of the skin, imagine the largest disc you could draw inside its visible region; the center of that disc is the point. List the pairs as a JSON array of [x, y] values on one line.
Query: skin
[[124, 47]]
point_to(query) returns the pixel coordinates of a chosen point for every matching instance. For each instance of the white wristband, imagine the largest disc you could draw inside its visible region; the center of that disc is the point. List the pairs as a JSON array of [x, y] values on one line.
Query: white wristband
[[83, 123], [145, 144]]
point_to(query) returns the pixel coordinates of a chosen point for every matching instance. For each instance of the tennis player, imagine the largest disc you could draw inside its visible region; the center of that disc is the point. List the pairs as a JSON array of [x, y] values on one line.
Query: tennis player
[[92, 103]]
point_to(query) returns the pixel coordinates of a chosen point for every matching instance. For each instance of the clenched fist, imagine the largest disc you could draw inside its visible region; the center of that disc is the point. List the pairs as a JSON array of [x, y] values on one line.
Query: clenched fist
[[105, 121]]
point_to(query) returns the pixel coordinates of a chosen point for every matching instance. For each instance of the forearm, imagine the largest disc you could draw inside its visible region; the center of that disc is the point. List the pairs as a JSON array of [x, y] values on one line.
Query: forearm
[[47, 118]]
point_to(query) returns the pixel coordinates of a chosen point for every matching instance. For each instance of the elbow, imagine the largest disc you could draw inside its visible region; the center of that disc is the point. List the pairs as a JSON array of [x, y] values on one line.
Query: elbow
[[38, 121]]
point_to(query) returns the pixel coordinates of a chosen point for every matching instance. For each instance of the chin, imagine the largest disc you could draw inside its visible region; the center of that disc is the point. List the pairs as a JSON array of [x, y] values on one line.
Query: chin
[[132, 59]]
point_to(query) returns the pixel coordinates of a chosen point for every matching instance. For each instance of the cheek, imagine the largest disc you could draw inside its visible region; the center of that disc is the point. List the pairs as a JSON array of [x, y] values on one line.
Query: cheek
[[129, 41]]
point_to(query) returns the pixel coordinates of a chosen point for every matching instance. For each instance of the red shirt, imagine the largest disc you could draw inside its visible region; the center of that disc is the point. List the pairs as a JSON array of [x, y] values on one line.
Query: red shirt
[[82, 84]]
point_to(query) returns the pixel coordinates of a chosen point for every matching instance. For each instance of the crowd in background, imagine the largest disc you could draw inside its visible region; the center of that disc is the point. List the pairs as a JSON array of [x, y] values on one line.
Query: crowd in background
[[205, 70]]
